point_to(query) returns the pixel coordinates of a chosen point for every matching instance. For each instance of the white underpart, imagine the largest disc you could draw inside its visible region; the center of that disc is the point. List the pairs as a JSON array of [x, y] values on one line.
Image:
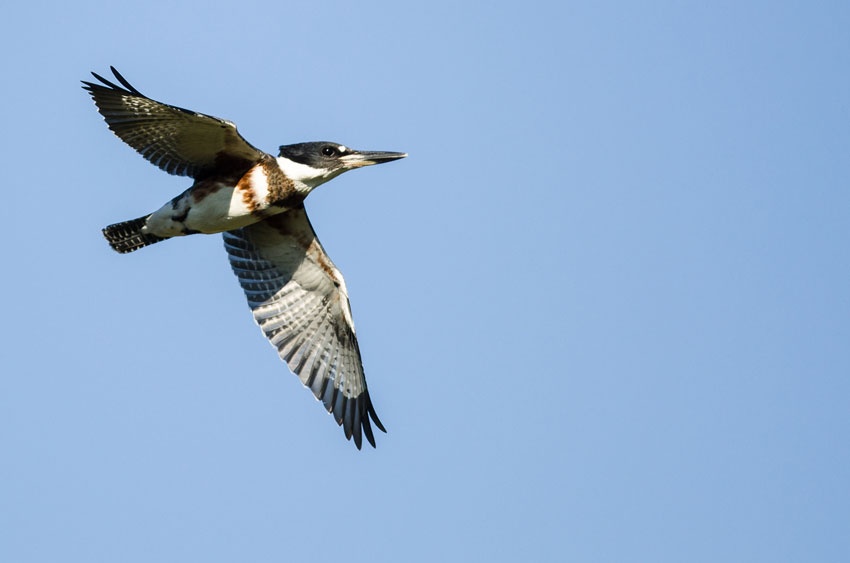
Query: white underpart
[[257, 181], [223, 209]]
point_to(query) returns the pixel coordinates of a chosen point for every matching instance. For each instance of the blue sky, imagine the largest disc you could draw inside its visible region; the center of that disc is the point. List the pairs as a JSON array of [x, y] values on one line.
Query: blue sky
[[604, 306]]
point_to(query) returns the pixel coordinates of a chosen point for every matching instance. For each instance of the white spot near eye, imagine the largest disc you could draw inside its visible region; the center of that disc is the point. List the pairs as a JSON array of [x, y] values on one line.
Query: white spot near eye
[[342, 148]]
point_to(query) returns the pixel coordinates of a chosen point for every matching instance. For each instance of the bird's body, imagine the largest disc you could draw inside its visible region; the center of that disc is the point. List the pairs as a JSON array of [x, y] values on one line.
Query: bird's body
[[297, 295], [218, 204], [222, 204]]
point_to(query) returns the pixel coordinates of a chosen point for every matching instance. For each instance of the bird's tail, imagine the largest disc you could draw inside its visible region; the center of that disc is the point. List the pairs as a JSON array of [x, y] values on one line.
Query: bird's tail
[[128, 236]]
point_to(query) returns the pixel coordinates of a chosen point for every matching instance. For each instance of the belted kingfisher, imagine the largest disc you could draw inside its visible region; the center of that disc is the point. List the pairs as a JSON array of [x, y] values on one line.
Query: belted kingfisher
[[297, 295]]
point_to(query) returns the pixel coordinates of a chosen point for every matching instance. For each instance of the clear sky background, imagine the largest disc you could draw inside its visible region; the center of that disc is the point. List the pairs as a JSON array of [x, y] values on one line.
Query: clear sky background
[[604, 306]]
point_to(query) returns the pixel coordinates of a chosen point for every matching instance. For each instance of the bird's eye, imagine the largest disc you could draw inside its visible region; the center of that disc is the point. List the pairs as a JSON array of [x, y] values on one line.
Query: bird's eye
[[329, 151]]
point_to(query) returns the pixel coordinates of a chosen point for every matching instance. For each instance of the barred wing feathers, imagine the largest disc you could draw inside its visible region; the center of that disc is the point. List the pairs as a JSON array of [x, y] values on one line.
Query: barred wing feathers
[[299, 299], [177, 140]]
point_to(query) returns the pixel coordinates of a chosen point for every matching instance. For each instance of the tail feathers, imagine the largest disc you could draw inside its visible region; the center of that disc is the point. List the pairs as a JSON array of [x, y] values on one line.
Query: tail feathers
[[128, 236]]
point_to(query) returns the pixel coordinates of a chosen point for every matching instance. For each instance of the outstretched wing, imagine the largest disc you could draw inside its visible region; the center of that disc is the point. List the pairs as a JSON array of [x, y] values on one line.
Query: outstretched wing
[[177, 140], [300, 301]]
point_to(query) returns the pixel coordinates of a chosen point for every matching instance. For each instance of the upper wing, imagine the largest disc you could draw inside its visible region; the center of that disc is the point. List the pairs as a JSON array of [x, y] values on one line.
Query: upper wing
[[179, 141], [299, 300]]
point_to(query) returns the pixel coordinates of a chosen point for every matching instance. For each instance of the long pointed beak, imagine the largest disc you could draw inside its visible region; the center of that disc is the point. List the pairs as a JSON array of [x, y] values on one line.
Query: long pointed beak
[[357, 159]]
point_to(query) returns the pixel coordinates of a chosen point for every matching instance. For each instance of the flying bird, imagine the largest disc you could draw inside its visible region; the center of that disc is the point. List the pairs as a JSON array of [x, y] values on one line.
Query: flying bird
[[297, 294]]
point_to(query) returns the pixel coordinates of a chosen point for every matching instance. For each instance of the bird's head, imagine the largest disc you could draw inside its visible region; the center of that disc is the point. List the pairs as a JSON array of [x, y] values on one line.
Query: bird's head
[[315, 163]]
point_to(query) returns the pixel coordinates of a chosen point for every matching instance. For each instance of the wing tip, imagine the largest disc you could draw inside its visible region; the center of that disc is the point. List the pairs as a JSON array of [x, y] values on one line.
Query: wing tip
[[374, 416], [367, 412], [355, 420]]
